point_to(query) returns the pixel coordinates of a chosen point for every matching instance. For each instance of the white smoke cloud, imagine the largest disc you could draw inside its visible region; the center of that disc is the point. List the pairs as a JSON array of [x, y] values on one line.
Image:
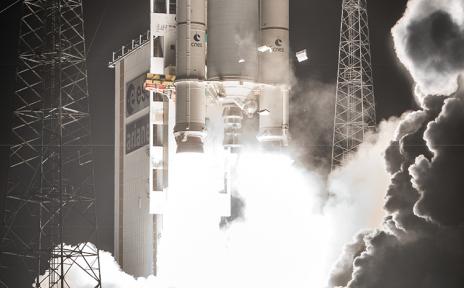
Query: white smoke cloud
[[359, 186], [112, 275], [290, 235]]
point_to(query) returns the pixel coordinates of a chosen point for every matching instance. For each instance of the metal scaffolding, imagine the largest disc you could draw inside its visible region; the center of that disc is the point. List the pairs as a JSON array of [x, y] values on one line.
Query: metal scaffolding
[[355, 103], [50, 199]]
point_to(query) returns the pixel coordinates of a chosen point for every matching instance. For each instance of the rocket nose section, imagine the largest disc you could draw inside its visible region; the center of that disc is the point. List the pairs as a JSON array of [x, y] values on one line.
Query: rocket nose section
[[190, 145]]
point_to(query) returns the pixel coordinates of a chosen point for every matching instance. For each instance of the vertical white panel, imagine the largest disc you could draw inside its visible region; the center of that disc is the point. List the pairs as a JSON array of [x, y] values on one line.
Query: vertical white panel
[[137, 223]]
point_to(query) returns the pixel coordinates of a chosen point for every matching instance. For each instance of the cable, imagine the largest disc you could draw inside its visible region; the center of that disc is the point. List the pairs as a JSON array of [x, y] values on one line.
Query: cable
[[98, 27], [9, 6]]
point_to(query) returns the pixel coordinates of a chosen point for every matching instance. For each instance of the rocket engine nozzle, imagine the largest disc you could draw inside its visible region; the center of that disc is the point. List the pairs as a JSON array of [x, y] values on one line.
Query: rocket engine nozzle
[[189, 144]]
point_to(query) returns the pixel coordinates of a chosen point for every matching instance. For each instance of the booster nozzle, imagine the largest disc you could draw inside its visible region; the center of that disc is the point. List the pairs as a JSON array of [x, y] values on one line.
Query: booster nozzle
[[189, 144]]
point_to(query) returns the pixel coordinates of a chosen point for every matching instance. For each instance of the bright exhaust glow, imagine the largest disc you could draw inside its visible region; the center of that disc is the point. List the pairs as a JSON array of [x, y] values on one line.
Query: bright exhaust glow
[[289, 235], [275, 246]]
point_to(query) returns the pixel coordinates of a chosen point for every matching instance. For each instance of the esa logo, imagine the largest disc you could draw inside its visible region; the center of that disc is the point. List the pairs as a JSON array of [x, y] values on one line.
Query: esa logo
[[136, 95], [136, 98], [197, 41], [278, 46]]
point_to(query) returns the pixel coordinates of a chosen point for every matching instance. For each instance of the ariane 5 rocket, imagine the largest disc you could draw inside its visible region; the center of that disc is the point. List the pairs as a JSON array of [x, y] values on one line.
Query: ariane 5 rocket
[[236, 51]]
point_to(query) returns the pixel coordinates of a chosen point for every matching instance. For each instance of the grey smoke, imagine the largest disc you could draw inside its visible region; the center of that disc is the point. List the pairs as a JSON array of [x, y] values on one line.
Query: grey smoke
[[428, 41], [439, 180], [309, 105], [421, 243], [343, 270], [237, 206]]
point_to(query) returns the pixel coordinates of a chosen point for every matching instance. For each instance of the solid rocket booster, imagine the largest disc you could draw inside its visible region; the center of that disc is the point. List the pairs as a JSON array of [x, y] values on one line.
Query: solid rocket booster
[[190, 128], [274, 73]]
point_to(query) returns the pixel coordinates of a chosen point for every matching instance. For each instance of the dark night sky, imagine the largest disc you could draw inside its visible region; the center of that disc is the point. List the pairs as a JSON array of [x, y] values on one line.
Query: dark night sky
[[111, 23]]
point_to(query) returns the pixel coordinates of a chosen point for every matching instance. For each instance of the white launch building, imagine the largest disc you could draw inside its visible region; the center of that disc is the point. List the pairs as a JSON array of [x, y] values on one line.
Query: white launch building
[[197, 54]]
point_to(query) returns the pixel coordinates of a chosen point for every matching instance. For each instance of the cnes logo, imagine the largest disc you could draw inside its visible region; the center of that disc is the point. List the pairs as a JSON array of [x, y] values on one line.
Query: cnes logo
[[196, 41], [278, 46]]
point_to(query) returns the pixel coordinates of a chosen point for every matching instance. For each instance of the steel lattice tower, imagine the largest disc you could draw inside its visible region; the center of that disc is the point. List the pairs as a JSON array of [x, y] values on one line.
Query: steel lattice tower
[[50, 198], [355, 103]]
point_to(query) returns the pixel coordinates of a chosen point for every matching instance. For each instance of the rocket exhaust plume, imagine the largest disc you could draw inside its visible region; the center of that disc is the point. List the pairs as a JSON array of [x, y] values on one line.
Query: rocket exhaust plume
[[286, 234]]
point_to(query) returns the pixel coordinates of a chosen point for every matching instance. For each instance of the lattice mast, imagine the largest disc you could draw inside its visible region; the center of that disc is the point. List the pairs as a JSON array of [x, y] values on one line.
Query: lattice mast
[[50, 198], [355, 103]]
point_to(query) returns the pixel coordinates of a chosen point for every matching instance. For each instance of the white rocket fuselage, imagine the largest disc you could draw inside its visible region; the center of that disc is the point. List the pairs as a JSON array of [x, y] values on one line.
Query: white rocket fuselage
[[190, 128], [274, 72], [245, 79]]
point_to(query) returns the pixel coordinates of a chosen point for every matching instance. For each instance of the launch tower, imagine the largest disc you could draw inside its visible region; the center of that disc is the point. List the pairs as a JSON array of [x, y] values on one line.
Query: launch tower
[[355, 103], [50, 199]]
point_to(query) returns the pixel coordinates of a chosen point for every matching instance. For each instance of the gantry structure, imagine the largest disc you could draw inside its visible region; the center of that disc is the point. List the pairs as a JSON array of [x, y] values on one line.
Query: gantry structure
[[50, 200], [355, 102]]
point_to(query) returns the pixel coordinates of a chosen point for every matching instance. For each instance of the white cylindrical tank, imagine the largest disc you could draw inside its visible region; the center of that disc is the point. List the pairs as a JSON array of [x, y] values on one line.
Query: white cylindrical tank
[[274, 69], [233, 33], [191, 39], [274, 26], [190, 128]]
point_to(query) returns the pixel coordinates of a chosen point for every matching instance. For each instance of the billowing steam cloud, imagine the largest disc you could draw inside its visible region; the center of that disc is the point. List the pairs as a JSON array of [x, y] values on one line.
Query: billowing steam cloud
[[428, 41], [438, 180], [286, 236], [421, 243], [112, 276]]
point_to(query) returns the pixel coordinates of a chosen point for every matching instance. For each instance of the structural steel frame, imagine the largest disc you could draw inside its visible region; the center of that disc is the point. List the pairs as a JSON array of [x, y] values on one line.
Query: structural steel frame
[[51, 197], [355, 102]]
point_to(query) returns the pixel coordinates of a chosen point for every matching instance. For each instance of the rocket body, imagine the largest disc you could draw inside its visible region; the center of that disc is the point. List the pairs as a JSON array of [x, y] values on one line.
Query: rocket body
[[274, 73], [245, 79], [190, 128]]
